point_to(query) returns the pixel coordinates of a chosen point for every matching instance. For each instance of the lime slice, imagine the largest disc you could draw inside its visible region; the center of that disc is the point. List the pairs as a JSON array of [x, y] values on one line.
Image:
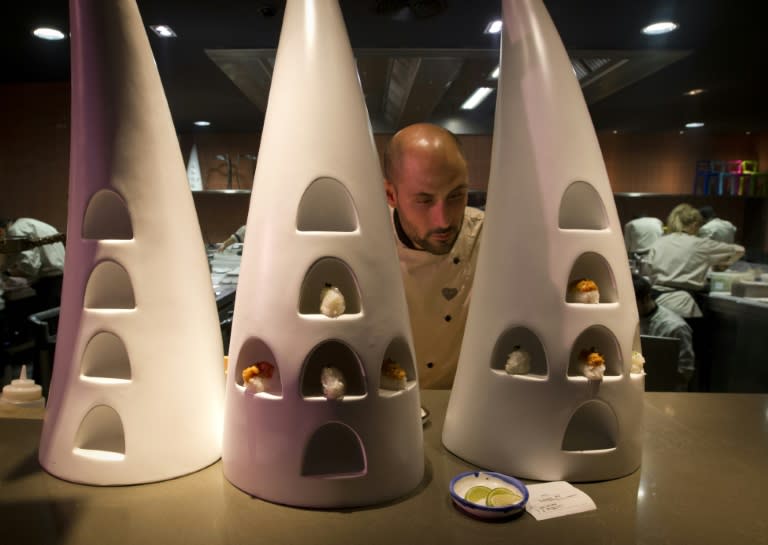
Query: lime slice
[[477, 494], [502, 497]]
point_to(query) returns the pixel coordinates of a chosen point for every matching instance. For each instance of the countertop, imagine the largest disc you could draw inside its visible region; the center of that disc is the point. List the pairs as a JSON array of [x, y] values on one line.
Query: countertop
[[703, 480]]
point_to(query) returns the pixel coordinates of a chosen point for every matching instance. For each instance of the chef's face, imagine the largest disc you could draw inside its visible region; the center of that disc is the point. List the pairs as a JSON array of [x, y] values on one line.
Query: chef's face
[[430, 195]]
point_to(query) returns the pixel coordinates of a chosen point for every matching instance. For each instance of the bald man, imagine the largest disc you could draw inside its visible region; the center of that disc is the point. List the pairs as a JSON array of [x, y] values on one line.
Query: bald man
[[426, 181]]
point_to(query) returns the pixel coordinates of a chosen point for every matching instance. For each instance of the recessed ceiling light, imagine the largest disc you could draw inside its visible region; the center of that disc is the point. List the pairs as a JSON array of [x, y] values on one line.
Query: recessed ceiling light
[[494, 27], [662, 27], [476, 98], [164, 31], [202, 123], [495, 73], [682, 132], [615, 131], [748, 132], [694, 92], [694, 125], [49, 33]]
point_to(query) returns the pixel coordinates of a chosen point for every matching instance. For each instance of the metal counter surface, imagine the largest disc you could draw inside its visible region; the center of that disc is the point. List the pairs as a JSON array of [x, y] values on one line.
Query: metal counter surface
[[703, 480]]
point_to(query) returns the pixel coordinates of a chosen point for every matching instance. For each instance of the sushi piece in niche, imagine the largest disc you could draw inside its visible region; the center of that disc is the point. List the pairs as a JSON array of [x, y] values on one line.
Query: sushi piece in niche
[[256, 377], [333, 382], [592, 364], [584, 290], [332, 301], [518, 362], [393, 377], [638, 361]]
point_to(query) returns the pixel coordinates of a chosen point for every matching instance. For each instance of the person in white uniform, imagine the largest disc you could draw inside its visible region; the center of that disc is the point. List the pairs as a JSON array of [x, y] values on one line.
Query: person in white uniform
[[42, 266], [679, 261], [641, 232], [659, 321], [716, 228], [437, 234], [237, 236]]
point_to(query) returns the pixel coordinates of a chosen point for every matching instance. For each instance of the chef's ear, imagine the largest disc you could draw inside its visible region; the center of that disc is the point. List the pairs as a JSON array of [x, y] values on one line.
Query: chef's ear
[[389, 188]]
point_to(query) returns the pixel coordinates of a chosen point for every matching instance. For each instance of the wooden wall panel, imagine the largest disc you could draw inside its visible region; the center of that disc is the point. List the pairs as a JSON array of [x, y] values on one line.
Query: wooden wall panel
[[34, 163]]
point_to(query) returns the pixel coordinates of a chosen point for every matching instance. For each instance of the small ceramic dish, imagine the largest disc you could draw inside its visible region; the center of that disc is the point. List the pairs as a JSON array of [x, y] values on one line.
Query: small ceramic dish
[[502, 492]]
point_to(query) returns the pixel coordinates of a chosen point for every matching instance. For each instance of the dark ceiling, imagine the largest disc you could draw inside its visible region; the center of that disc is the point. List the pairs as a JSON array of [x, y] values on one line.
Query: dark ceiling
[[419, 59]]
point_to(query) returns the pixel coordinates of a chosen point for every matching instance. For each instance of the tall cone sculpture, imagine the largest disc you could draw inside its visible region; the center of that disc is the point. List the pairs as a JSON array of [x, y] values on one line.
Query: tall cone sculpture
[[137, 389], [318, 217], [550, 220]]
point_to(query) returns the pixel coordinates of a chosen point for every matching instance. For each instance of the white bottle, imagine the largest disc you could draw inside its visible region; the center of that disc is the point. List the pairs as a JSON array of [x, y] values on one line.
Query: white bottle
[[23, 392]]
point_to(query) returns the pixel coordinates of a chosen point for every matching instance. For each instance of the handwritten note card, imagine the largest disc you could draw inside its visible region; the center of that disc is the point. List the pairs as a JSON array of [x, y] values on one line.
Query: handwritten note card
[[557, 499]]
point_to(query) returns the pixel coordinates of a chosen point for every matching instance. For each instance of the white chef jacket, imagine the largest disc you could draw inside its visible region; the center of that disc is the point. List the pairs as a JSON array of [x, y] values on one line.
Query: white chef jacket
[[437, 288], [680, 260], [45, 260], [718, 229], [665, 323], [640, 233]]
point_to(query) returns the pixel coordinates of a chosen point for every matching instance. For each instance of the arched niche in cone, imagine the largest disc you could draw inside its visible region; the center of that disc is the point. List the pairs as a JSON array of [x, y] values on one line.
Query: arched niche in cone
[[107, 217], [101, 435], [399, 352], [253, 351], [594, 267], [105, 359], [329, 271], [334, 450], [332, 353], [600, 339], [109, 287], [326, 206], [582, 208], [593, 426], [520, 338]]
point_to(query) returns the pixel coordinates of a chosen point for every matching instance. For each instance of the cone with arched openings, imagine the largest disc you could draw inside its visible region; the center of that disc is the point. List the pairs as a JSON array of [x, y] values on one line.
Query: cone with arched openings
[[550, 220], [318, 216], [137, 388]]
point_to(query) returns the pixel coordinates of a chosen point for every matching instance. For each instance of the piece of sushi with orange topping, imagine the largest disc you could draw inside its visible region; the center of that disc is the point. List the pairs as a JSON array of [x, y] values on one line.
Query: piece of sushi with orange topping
[[592, 364], [256, 377], [584, 290]]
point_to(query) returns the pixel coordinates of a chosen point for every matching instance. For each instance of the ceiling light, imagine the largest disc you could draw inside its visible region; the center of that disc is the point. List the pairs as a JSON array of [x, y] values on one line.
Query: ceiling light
[[615, 131], [48, 33], [682, 132], [494, 27], [495, 73], [476, 98], [694, 92], [662, 27], [202, 123], [694, 125], [164, 31]]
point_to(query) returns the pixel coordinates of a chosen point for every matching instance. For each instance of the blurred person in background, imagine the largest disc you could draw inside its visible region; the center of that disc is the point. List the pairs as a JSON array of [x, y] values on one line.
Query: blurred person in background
[[658, 321], [41, 266], [680, 260], [716, 228], [641, 232]]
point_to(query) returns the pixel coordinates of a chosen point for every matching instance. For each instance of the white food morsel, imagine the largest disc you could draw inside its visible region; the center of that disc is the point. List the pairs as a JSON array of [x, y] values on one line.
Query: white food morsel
[[333, 383], [518, 362], [638, 361], [332, 302]]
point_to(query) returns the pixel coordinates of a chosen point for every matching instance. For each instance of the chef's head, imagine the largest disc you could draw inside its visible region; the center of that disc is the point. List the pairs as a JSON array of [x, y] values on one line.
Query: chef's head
[[426, 181]]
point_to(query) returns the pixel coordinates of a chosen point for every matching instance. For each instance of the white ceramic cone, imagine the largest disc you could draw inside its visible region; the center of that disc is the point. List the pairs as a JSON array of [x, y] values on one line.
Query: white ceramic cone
[[318, 216], [193, 170], [137, 388], [550, 219]]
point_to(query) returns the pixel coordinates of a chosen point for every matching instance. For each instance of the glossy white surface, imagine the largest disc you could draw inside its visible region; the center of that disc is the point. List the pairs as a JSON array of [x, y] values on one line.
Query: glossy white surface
[[550, 220], [318, 216], [137, 372]]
